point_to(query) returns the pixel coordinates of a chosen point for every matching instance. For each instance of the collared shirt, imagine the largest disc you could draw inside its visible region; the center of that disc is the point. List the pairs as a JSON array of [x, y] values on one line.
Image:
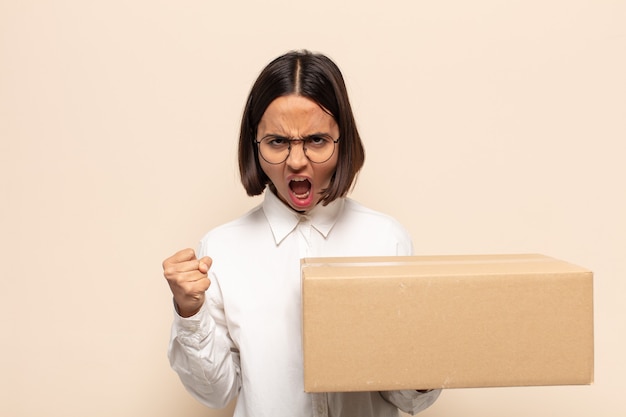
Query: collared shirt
[[246, 339]]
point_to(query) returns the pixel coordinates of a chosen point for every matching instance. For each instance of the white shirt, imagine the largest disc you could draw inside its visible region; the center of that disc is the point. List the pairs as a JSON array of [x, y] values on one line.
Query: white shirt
[[246, 339]]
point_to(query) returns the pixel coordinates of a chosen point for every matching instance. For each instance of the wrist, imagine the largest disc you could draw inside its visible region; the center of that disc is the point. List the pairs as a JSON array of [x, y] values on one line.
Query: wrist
[[186, 312]]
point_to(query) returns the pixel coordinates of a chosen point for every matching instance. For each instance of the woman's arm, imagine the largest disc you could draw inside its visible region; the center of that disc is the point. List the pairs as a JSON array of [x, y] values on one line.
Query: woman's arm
[[204, 358], [200, 349], [411, 401]]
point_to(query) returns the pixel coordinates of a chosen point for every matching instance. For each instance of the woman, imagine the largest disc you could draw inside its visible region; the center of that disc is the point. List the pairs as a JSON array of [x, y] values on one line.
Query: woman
[[300, 146]]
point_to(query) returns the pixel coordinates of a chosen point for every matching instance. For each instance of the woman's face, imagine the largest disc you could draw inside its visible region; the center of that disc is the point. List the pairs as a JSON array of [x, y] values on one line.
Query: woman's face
[[298, 181]]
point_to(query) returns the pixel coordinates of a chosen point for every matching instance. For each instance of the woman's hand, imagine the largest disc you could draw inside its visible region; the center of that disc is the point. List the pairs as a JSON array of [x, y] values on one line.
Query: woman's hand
[[188, 280]]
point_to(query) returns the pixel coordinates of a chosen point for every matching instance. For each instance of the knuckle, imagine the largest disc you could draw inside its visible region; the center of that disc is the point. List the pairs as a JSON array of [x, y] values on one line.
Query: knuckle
[[168, 271], [165, 264]]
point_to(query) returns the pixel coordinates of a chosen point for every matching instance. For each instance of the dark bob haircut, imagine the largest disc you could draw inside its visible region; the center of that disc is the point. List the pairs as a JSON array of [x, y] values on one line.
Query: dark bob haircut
[[317, 78]]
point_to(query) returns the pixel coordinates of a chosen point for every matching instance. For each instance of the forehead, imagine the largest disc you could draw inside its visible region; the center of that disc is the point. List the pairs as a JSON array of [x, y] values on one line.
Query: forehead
[[295, 115]]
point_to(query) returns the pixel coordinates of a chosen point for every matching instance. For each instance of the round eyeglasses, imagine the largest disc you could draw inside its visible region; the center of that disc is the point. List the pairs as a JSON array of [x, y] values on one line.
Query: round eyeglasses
[[275, 149]]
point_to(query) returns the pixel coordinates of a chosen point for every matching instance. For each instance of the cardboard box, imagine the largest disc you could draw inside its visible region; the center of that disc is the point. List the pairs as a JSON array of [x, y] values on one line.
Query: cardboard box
[[391, 323]]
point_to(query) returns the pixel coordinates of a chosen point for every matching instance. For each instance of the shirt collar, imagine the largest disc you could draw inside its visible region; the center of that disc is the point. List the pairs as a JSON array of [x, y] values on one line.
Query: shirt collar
[[283, 219]]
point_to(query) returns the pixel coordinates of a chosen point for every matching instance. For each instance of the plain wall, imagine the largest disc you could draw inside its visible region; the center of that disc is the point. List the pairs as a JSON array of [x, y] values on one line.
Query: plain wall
[[490, 127]]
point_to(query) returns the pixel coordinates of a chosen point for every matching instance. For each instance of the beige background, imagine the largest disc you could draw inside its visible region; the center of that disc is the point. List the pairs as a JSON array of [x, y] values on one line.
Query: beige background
[[491, 127]]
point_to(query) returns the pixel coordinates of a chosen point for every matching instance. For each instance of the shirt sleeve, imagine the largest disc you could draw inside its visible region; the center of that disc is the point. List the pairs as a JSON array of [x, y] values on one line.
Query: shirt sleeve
[[411, 401], [402, 239], [203, 355]]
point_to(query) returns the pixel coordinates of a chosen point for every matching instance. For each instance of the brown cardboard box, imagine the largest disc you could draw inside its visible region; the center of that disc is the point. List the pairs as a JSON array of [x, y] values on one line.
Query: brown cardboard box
[[445, 322]]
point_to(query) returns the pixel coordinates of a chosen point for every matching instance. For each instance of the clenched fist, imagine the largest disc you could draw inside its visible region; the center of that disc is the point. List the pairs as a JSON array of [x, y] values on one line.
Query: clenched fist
[[188, 280]]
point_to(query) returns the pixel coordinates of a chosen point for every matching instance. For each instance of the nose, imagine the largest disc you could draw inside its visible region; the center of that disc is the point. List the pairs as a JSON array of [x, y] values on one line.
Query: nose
[[297, 159]]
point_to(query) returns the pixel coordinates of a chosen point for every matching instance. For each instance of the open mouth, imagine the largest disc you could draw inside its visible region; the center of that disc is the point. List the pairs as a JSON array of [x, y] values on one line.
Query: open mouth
[[300, 187]]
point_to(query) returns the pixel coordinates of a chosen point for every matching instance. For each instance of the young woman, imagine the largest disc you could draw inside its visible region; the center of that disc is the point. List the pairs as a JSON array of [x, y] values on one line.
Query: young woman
[[237, 330]]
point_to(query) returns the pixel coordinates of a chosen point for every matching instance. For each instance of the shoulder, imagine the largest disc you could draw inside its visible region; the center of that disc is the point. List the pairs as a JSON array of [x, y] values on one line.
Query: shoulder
[[234, 232], [373, 228], [358, 212]]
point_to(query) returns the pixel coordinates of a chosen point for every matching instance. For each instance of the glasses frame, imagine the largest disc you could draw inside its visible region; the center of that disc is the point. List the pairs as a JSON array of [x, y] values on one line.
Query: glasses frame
[[291, 141]]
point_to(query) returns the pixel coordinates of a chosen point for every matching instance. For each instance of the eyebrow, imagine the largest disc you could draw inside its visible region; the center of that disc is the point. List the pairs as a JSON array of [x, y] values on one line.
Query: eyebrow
[[312, 135]]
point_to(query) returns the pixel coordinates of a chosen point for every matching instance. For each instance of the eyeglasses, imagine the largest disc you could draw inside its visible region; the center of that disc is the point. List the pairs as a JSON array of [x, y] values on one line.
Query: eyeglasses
[[275, 149]]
